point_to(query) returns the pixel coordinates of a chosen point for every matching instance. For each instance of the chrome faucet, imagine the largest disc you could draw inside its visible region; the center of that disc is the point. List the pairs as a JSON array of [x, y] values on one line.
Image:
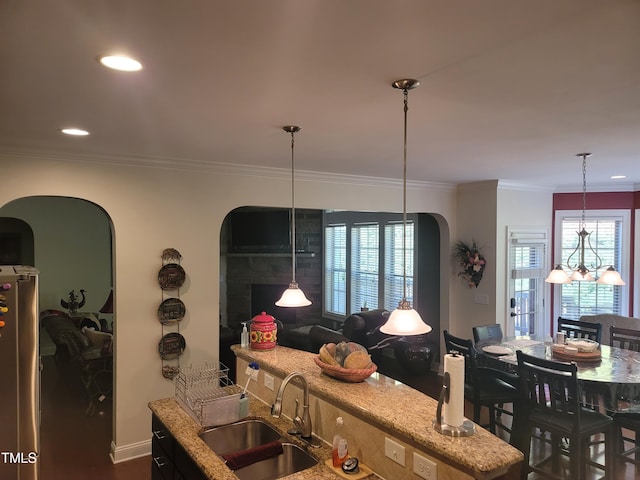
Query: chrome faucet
[[303, 424]]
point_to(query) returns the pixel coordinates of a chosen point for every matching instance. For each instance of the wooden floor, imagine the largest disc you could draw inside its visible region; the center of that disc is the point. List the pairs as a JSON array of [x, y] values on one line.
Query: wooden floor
[[75, 446]]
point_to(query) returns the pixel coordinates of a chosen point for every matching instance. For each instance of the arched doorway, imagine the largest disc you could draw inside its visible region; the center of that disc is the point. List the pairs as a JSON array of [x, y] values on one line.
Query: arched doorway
[[72, 249]]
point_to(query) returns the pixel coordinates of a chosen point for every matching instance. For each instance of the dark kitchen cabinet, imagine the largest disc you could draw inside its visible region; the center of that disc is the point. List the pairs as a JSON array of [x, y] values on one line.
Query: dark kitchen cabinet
[[169, 461]]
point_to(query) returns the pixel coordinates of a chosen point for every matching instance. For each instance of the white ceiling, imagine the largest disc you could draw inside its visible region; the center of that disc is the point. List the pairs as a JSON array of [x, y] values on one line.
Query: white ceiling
[[510, 89]]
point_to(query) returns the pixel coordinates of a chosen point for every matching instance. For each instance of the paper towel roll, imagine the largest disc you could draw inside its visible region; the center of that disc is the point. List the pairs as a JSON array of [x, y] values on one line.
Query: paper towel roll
[[454, 408]]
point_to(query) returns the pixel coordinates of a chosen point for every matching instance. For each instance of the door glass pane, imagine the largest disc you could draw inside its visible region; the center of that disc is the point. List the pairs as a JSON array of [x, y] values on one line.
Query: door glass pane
[[527, 288]]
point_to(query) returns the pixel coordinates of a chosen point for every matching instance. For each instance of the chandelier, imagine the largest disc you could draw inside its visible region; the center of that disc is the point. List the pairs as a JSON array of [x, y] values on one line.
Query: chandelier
[[576, 262], [404, 320]]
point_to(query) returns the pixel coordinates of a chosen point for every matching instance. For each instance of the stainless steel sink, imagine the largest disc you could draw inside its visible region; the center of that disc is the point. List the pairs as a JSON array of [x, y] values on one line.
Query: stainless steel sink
[[292, 460], [239, 436], [246, 434]]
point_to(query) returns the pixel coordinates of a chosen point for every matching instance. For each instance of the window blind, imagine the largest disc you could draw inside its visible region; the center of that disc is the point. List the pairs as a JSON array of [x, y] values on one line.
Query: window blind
[[395, 267], [589, 298], [365, 244], [335, 270]]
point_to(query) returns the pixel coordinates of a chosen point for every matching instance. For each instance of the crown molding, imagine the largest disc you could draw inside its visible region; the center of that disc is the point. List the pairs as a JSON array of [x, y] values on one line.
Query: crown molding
[[222, 168]]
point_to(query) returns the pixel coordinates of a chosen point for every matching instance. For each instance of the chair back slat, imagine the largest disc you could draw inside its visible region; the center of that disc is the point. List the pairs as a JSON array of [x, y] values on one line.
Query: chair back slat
[[626, 338], [487, 334], [464, 348], [580, 329], [549, 387]]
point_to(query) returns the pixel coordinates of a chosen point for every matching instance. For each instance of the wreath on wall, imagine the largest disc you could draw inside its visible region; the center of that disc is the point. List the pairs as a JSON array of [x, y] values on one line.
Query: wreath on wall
[[472, 262]]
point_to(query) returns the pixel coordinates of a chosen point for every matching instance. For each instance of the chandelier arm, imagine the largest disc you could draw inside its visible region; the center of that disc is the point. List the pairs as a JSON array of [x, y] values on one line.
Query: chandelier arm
[[569, 265], [598, 264]]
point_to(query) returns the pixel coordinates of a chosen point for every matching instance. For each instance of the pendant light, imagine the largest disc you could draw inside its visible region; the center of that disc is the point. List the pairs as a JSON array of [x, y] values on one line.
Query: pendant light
[[293, 296], [580, 271], [404, 320]]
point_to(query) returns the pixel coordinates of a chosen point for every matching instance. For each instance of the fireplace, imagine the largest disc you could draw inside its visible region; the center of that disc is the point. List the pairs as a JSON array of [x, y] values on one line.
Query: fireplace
[[263, 299]]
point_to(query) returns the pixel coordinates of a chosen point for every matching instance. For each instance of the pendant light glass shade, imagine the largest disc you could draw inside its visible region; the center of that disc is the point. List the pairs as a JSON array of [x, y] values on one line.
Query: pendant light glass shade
[[558, 275], [293, 296], [610, 277], [404, 320], [582, 276]]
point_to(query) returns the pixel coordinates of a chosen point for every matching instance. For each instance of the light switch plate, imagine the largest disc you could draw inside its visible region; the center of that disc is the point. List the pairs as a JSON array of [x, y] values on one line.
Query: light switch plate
[[394, 451], [424, 468], [268, 381]]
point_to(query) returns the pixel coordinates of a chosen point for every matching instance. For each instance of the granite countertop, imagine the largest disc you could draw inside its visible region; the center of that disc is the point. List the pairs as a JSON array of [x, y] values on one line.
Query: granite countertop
[[185, 430], [396, 407]]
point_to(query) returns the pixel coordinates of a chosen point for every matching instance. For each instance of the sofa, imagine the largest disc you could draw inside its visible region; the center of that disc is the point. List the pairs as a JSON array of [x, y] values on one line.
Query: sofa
[[395, 356]]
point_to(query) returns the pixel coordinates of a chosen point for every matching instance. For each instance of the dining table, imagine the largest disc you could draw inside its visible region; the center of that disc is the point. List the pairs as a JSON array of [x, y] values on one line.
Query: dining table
[[611, 381]]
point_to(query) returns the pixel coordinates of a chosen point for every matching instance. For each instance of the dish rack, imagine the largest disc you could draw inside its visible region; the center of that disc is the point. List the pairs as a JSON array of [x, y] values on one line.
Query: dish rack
[[209, 396]]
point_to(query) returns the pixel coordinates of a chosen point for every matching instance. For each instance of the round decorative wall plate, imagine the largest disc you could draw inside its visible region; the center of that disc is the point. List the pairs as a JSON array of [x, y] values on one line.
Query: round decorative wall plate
[[171, 346], [171, 310], [171, 276]]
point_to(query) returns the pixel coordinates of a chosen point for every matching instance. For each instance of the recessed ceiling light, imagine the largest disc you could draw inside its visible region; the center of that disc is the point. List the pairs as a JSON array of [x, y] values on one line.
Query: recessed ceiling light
[[120, 62], [78, 132], [617, 177]]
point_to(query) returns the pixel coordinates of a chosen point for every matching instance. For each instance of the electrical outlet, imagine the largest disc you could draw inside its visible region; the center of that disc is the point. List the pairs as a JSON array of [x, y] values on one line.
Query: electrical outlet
[[394, 451], [268, 381], [424, 468]]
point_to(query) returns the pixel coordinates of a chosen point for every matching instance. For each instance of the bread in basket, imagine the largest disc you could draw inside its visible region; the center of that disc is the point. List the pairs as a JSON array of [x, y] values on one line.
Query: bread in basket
[[353, 375]]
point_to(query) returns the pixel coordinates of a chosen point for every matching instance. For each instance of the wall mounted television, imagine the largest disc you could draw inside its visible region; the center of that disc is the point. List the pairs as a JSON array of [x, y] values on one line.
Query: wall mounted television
[[262, 230]]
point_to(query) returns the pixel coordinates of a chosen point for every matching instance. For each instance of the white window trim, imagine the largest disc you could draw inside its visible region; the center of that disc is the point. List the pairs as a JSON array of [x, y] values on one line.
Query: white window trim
[[625, 257]]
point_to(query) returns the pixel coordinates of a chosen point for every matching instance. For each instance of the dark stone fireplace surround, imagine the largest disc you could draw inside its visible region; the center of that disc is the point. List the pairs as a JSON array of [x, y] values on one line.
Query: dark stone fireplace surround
[[255, 281]]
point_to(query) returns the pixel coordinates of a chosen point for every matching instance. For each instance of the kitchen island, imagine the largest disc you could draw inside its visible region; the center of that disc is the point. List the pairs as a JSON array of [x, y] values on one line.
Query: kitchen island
[[375, 412]]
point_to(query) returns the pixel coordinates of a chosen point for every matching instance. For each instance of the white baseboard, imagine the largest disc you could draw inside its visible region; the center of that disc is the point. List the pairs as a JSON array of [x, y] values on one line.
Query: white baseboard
[[129, 452]]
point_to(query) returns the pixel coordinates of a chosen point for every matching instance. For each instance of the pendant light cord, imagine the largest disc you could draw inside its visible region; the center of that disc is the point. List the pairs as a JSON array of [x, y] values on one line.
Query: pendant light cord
[[293, 212], [404, 200]]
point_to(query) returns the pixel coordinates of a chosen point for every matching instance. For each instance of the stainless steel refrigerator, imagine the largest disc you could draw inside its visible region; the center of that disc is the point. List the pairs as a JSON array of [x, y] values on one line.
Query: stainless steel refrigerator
[[19, 373]]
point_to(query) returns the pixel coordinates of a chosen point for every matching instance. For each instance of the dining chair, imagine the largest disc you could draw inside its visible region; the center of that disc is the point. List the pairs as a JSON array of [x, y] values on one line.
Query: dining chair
[[626, 338], [484, 386], [580, 329], [626, 424], [550, 400], [487, 334]]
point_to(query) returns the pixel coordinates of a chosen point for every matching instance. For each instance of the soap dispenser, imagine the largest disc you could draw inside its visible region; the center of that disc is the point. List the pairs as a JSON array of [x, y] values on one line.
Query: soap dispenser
[[340, 450], [244, 336]]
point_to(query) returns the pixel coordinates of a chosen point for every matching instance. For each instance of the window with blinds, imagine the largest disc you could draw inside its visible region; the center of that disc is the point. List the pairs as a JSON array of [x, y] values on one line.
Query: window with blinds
[[395, 267], [365, 248], [363, 262], [589, 298], [335, 269]]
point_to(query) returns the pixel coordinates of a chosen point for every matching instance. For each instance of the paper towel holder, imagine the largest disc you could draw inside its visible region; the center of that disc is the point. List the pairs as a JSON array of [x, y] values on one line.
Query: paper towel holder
[[465, 430]]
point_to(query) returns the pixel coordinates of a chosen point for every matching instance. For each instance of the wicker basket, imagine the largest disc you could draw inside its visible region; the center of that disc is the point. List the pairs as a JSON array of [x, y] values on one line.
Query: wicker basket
[[352, 375]]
